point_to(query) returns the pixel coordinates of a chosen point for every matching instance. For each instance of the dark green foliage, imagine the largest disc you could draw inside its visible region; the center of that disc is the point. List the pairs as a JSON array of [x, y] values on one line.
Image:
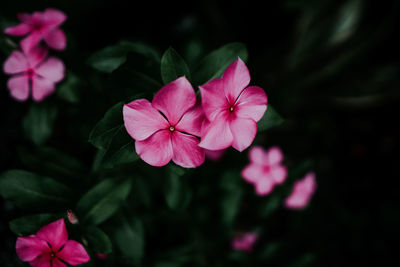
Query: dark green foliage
[[173, 66]]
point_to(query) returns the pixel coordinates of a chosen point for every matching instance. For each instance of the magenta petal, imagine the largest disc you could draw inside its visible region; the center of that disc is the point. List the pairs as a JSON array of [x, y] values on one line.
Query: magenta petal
[[191, 121], [278, 173], [15, 63], [217, 135], [73, 253], [253, 173], [24, 17], [302, 192], [30, 41], [30, 247], [57, 263], [187, 153], [252, 103], [52, 69], [53, 17], [213, 98], [36, 56], [174, 99], [55, 233], [244, 131], [41, 88], [56, 39], [236, 77], [244, 242], [43, 260], [274, 155], [264, 186], [19, 87], [142, 120], [258, 155], [18, 30], [157, 149]]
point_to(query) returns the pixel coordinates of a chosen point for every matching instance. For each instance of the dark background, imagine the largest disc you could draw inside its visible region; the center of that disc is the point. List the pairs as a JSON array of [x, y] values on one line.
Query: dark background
[[331, 68]]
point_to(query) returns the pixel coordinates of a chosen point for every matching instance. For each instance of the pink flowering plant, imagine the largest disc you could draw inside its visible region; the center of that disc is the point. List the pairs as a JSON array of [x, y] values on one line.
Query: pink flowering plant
[[169, 143]]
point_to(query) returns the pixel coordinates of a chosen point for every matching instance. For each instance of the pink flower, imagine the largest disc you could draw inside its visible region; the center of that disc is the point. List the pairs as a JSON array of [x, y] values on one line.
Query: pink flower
[[40, 26], [265, 169], [302, 192], [33, 71], [244, 242], [50, 247], [214, 155], [232, 109], [168, 127]]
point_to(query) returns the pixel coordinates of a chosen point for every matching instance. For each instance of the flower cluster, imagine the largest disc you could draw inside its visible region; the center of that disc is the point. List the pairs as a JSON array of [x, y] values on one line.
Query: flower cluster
[[176, 126], [32, 69]]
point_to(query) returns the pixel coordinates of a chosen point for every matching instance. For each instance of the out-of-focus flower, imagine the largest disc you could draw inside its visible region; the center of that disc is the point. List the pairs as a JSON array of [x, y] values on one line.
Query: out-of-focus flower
[[244, 242], [302, 192], [101, 256], [214, 155], [265, 169], [72, 217], [232, 109], [40, 26], [169, 127], [33, 71], [50, 247]]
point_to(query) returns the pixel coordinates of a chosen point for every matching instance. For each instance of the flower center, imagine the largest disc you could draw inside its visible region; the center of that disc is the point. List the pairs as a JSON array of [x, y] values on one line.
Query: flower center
[[37, 26], [52, 255], [171, 128], [30, 72], [231, 109], [266, 168]]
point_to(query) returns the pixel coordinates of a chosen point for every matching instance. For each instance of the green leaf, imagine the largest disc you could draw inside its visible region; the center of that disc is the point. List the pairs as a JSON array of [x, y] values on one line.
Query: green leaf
[[270, 205], [38, 123], [270, 119], [30, 191], [129, 238], [232, 196], [29, 225], [214, 64], [102, 201], [69, 89], [177, 191], [97, 240], [104, 131], [112, 57], [173, 66]]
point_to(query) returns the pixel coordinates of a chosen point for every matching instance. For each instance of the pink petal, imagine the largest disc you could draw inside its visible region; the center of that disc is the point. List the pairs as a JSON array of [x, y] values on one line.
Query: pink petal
[[157, 149], [264, 186], [57, 263], [43, 260], [41, 88], [244, 131], [30, 41], [310, 182], [302, 192], [30, 247], [253, 173], [236, 77], [278, 173], [18, 30], [56, 39], [52, 69], [187, 153], [19, 87], [174, 99], [36, 55], [53, 17], [244, 242], [274, 156], [213, 98], [73, 253], [15, 63], [142, 120], [252, 103], [217, 135], [55, 233], [191, 121], [258, 155]]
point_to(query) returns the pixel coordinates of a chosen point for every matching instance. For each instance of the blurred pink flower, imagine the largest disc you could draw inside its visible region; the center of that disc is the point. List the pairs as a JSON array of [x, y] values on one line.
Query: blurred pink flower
[[265, 169], [50, 247], [33, 70], [40, 26], [72, 217], [169, 127], [214, 155], [302, 192], [101, 256], [244, 242], [232, 109]]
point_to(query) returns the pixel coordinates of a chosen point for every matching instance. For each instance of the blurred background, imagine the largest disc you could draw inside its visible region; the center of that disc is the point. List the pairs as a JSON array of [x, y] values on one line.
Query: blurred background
[[330, 68]]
